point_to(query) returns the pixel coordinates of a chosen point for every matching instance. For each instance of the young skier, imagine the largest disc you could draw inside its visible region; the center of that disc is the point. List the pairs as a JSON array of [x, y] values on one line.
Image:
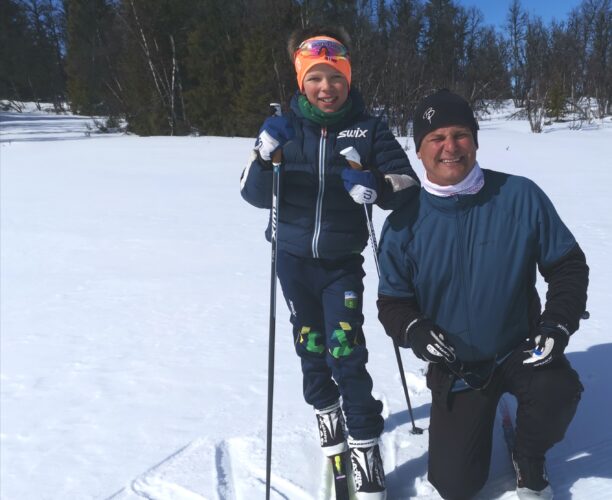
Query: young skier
[[321, 233], [458, 273]]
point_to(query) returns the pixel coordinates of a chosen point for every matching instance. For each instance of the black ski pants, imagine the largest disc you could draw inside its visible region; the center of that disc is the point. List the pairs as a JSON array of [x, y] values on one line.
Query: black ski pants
[[461, 426]]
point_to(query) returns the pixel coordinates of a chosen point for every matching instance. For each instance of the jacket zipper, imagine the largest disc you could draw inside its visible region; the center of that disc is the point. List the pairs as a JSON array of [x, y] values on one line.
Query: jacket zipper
[[462, 265], [321, 190]]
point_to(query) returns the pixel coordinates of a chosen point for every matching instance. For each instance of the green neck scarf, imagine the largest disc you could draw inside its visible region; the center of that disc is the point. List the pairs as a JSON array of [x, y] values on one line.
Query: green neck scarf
[[322, 118]]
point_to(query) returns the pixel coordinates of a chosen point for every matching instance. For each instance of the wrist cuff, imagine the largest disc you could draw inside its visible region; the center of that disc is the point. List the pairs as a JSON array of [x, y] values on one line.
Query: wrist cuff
[[265, 164], [553, 325], [415, 323]]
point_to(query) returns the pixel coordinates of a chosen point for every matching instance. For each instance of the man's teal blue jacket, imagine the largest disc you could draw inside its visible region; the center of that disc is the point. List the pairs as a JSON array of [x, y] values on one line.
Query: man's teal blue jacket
[[469, 263]]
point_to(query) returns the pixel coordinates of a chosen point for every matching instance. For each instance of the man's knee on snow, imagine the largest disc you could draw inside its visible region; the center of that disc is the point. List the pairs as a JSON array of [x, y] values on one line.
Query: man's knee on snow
[[461, 483], [556, 388]]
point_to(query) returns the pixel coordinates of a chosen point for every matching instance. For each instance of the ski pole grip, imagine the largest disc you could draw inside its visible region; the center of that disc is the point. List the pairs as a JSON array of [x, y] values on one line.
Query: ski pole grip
[[277, 156], [352, 157], [355, 165], [275, 109]]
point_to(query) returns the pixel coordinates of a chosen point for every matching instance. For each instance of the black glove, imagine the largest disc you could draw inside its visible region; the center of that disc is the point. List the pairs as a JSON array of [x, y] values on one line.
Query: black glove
[[550, 342], [428, 342]]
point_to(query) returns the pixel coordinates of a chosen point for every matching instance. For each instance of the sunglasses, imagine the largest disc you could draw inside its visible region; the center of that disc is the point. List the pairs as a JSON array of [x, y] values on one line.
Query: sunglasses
[[317, 48]]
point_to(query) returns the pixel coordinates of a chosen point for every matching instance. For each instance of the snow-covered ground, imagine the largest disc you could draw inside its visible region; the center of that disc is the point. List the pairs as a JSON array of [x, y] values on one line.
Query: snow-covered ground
[[134, 322]]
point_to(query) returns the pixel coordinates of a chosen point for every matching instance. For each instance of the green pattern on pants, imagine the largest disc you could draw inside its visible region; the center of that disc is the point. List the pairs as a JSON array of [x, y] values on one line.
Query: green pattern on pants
[[340, 335], [312, 340]]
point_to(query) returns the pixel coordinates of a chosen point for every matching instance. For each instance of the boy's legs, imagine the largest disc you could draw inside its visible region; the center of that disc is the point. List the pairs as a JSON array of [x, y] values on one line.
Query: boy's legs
[[346, 351], [347, 355], [298, 279]]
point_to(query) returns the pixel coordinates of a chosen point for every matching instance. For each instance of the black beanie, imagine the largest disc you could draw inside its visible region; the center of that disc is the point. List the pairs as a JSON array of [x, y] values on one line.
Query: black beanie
[[442, 109]]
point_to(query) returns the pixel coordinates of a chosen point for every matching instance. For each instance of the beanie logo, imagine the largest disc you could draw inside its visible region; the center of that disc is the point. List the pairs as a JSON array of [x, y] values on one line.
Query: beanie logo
[[358, 132], [428, 115]]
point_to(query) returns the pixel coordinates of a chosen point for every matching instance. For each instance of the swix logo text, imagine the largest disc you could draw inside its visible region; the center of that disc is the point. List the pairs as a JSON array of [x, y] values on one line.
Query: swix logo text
[[352, 133]]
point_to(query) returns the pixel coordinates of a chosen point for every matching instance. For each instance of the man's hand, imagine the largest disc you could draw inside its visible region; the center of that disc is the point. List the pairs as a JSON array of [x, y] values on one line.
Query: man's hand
[[362, 185], [428, 342], [550, 342], [274, 132]]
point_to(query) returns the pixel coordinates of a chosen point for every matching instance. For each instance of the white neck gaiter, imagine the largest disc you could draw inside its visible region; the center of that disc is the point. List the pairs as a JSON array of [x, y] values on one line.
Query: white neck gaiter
[[470, 185]]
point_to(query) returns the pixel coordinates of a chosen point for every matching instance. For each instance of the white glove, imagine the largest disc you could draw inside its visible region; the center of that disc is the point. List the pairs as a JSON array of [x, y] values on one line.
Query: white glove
[[274, 132], [266, 145], [362, 194], [362, 185]]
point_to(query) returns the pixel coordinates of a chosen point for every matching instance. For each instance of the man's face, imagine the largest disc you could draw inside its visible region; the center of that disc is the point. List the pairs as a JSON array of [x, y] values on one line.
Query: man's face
[[448, 154]]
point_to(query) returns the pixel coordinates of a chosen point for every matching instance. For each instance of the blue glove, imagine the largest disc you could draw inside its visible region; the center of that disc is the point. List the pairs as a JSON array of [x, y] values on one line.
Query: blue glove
[[551, 341], [362, 185], [274, 132]]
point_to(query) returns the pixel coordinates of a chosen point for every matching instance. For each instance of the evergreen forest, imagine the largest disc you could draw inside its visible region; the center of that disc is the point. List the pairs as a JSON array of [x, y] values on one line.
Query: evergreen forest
[[211, 67]]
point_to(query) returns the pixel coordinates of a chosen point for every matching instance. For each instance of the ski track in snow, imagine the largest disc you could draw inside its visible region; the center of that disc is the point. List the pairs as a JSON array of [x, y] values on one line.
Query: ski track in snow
[[235, 476], [224, 473], [239, 471], [178, 477]]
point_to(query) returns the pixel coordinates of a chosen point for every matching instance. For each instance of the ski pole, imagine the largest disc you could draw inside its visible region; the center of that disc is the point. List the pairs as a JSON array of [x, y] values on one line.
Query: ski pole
[[276, 163], [354, 160]]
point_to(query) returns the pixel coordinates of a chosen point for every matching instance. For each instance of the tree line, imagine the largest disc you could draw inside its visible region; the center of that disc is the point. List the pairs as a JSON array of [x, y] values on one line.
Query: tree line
[[212, 66]]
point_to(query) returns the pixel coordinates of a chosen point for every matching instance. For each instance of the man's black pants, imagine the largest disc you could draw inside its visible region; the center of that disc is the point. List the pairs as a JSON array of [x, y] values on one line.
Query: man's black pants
[[461, 426]]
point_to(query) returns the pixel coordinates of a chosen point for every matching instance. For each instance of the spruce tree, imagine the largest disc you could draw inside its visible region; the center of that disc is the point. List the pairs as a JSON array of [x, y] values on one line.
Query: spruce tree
[[212, 63], [257, 86], [16, 44], [89, 56]]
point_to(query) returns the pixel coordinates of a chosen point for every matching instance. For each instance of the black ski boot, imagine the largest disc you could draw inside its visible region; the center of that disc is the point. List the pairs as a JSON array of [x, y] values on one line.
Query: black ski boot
[[368, 471], [331, 429], [531, 479]]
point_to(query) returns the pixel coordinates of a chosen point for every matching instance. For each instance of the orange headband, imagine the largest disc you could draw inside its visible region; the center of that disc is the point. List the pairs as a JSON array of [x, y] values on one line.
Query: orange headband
[[303, 62]]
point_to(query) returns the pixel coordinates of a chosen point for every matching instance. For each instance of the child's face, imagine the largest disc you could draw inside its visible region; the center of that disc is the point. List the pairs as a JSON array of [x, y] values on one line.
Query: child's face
[[326, 88]]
